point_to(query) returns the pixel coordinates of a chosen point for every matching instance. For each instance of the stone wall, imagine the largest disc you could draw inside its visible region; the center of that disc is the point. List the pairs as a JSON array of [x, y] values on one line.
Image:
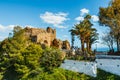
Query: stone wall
[[41, 36], [46, 37]]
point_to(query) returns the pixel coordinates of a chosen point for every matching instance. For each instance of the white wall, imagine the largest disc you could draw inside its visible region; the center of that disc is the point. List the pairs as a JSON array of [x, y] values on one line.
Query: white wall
[[88, 68], [109, 65]]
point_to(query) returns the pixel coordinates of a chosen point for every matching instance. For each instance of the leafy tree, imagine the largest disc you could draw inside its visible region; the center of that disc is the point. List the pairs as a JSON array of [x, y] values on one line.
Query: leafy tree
[[72, 31], [16, 29], [85, 32], [82, 30], [30, 61], [108, 40], [0, 42], [110, 17], [19, 57], [11, 52], [51, 58], [93, 38]]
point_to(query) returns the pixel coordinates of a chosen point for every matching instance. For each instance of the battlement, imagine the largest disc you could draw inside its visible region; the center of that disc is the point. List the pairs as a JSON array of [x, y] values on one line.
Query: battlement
[[46, 37], [35, 31], [42, 36]]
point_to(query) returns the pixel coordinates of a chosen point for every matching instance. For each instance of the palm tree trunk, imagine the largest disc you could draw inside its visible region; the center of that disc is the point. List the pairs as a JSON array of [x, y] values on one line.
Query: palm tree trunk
[[82, 45], [72, 41], [88, 46]]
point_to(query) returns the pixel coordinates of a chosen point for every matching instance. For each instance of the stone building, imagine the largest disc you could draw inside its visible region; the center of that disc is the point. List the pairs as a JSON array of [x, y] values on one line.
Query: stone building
[[46, 37]]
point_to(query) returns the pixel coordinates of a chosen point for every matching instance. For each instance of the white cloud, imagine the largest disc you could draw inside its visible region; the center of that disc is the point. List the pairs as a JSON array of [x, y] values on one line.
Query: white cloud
[[62, 14], [30, 26], [59, 26], [3, 37], [80, 18], [95, 18], [84, 11], [56, 19], [1, 28], [5, 30]]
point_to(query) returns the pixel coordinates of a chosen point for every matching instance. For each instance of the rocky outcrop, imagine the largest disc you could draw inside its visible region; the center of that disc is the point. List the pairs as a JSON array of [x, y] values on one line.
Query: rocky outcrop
[[57, 43], [61, 44], [66, 45]]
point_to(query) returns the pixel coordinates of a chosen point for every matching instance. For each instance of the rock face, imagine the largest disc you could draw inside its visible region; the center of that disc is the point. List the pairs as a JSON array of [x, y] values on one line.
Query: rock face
[[61, 44], [46, 37], [66, 45]]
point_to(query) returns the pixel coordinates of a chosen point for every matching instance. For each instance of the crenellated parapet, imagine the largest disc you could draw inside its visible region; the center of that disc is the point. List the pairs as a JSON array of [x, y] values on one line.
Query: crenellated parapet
[[46, 37]]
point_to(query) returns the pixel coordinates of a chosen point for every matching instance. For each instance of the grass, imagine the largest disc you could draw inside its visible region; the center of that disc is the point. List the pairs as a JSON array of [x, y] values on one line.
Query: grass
[[61, 74]]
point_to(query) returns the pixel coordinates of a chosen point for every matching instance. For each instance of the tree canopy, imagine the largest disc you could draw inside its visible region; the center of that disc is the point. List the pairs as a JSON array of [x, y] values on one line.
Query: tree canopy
[[110, 17], [85, 32]]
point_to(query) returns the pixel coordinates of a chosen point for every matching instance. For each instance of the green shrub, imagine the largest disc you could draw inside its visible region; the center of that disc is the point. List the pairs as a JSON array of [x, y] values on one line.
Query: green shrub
[[51, 58], [21, 63], [1, 76], [102, 75], [78, 57]]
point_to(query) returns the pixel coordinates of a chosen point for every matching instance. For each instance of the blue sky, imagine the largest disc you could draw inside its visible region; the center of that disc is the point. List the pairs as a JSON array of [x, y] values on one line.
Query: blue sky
[[58, 14]]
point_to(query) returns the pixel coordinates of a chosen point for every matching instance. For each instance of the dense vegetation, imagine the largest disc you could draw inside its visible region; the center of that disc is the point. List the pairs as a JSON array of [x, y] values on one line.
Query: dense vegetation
[[61, 74], [87, 35], [110, 17], [20, 58]]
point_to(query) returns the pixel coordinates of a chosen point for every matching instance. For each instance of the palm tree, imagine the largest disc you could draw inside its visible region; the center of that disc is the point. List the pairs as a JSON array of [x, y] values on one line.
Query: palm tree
[[72, 31], [80, 32], [91, 38], [85, 32]]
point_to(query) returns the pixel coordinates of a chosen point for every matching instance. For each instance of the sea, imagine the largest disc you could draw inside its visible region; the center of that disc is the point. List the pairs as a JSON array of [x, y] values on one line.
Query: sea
[[104, 49]]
